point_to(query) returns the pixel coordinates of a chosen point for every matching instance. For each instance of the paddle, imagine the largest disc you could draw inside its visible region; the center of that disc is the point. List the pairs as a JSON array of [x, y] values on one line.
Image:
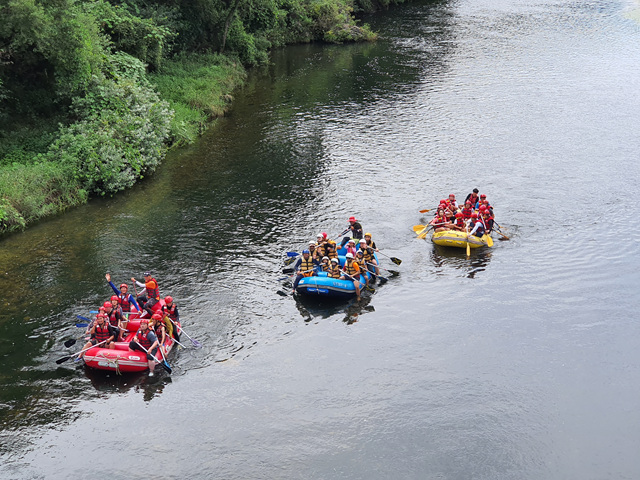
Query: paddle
[[82, 325], [195, 343], [499, 230], [468, 246], [366, 287], [376, 274], [395, 260], [425, 211], [67, 357], [419, 228], [88, 320], [165, 364], [162, 364]]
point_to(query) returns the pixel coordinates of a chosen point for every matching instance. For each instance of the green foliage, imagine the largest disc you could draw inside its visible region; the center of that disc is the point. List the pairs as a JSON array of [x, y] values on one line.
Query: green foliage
[[198, 87], [119, 137], [52, 37], [142, 38], [30, 192]]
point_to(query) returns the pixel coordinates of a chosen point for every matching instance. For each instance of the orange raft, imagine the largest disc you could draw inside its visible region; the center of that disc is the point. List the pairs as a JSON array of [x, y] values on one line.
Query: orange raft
[[121, 359]]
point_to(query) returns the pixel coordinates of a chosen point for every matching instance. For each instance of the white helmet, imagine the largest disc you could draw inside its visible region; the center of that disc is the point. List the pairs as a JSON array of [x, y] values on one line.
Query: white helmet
[[349, 255]]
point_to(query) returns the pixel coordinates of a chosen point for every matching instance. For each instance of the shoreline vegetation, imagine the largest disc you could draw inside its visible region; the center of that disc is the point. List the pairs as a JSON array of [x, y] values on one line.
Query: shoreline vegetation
[[94, 92]]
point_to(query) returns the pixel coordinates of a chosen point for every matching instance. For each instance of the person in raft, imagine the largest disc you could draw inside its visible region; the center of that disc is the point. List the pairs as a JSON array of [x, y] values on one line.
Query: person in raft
[[305, 267], [473, 198], [356, 231], [116, 320], [171, 317], [351, 271], [150, 295], [145, 339], [101, 331], [476, 226], [125, 299], [334, 272]]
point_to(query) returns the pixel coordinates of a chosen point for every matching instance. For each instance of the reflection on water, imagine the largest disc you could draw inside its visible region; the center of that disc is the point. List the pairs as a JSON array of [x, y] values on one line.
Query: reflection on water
[[445, 257], [112, 382]]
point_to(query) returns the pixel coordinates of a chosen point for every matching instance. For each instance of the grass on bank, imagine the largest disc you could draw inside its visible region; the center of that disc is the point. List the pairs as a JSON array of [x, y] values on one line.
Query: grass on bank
[[198, 88]]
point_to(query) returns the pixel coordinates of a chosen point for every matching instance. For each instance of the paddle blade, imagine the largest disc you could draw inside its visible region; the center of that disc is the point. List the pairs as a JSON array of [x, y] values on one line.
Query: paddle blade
[[196, 343], [468, 248], [293, 254], [166, 367], [83, 318], [425, 211], [418, 228], [82, 325], [71, 341], [395, 260], [63, 359]]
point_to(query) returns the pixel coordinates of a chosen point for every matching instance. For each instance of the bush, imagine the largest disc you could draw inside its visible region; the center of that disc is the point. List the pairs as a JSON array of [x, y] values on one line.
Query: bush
[[120, 134]]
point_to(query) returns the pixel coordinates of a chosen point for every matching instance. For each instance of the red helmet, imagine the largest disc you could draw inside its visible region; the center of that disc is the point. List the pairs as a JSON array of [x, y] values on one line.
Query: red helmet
[[443, 201], [101, 309], [483, 196], [124, 285], [324, 234], [145, 321], [107, 305], [114, 299], [168, 299], [452, 195], [156, 316], [482, 208], [459, 215], [474, 215], [352, 219]]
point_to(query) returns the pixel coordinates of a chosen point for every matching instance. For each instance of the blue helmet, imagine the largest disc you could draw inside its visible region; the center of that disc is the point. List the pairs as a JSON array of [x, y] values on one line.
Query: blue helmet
[[305, 251]]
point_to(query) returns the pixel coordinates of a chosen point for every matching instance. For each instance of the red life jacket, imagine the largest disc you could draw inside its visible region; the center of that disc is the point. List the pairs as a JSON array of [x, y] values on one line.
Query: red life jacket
[[143, 338], [101, 333], [170, 311], [439, 220], [123, 298], [459, 222], [466, 213], [113, 319], [152, 292]]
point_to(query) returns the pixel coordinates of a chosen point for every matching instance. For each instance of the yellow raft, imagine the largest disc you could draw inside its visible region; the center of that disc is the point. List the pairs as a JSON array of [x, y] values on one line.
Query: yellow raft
[[455, 238]]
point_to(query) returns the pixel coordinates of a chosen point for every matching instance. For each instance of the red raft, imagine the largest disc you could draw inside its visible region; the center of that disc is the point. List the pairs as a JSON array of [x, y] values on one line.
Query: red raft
[[121, 359]]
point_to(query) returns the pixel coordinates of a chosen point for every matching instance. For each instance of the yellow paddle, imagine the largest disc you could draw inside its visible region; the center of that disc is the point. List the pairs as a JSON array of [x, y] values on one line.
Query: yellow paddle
[[468, 247], [419, 228]]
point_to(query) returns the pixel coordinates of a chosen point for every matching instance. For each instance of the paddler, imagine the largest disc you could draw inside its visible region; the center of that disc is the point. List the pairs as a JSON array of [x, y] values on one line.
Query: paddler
[[473, 198], [304, 268], [351, 272], [115, 317], [369, 258], [147, 339], [356, 231], [150, 295], [476, 226], [335, 268], [171, 317], [125, 299], [101, 331], [440, 221]]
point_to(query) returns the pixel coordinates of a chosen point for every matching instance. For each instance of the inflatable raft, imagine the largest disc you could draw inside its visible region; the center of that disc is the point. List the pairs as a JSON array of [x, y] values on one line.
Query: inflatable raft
[[121, 359], [455, 238], [323, 286]]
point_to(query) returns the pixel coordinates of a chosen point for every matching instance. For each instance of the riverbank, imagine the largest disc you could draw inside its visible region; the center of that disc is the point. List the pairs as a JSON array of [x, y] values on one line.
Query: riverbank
[[110, 116]]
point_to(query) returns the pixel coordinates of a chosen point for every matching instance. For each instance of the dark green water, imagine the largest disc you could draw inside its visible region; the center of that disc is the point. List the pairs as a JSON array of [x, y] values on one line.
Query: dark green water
[[520, 362]]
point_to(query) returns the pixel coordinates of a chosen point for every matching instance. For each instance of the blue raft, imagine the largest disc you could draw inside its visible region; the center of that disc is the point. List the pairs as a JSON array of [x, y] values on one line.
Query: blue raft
[[322, 286]]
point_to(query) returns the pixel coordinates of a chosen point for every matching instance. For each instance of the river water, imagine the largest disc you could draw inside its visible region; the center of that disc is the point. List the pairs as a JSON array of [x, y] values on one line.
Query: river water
[[521, 362]]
